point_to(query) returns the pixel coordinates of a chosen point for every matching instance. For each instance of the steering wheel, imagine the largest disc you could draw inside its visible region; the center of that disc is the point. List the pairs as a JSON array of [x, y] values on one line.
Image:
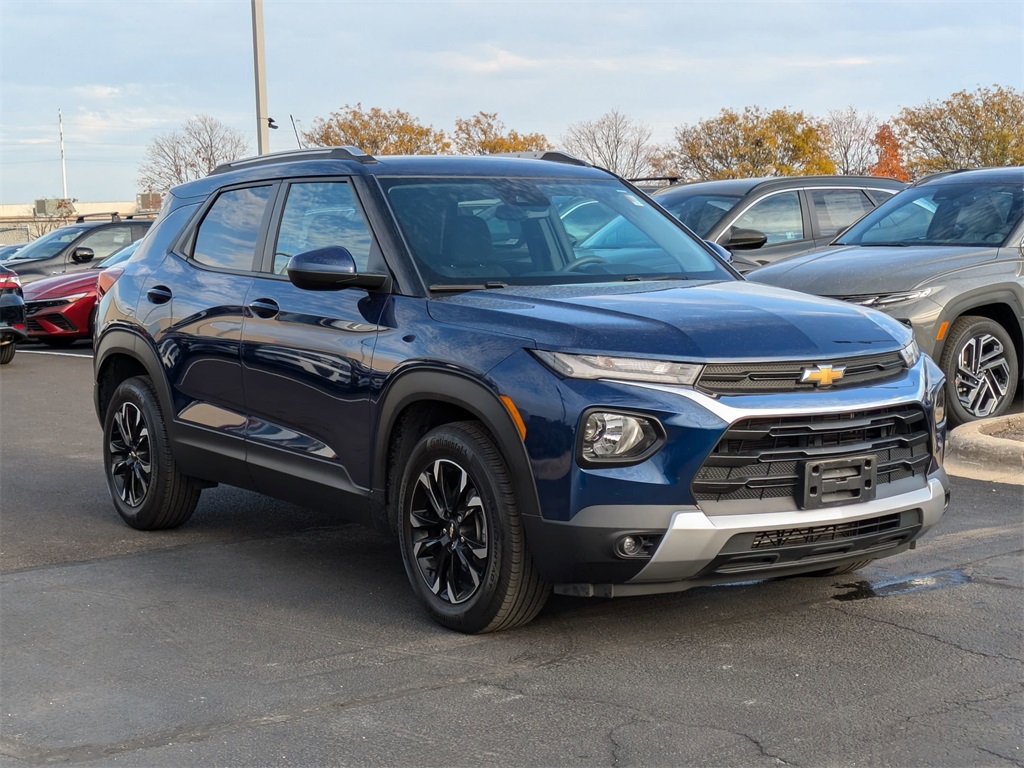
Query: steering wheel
[[572, 266]]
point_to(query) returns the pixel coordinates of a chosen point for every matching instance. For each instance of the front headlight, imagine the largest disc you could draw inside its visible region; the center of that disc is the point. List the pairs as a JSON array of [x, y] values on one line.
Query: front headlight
[[73, 297], [911, 354], [888, 299], [621, 368], [618, 438]]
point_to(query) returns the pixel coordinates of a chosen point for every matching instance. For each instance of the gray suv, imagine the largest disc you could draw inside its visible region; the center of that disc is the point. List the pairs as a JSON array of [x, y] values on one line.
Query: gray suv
[[761, 221], [946, 257]]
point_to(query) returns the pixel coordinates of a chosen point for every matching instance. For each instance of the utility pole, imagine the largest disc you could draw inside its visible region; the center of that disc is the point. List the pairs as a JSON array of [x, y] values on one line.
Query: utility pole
[[262, 120], [63, 168]]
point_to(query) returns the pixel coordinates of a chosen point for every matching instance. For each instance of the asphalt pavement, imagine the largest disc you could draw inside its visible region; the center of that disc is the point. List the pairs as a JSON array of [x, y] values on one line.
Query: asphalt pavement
[[266, 634]]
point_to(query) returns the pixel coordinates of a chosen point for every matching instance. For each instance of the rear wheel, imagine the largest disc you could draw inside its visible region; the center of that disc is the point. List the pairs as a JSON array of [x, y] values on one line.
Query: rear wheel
[[147, 489], [981, 369], [7, 352], [462, 536]]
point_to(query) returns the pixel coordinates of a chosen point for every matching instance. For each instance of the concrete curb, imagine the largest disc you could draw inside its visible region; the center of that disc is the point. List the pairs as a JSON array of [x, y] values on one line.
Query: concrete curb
[[972, 451]]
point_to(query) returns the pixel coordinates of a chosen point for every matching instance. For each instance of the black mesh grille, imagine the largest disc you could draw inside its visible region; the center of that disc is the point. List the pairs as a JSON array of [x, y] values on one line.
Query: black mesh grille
[[752, 378], [33, 325], [822, 533], [761, 458], [53, 319]]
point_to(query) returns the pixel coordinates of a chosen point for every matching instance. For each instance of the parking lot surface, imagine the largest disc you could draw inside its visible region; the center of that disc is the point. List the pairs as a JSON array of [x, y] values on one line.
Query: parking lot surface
[[265, 634]]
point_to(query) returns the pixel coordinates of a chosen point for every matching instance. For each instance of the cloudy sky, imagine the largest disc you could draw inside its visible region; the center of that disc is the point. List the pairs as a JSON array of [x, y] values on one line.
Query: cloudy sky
[[123, 73]]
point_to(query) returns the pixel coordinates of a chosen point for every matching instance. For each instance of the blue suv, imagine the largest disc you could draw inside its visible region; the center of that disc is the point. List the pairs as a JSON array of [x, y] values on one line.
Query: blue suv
[[418, 344]]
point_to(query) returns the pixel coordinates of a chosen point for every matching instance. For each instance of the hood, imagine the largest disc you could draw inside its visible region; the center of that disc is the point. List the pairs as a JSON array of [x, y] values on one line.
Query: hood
[[850, 270], [62, 285], [729, 320]]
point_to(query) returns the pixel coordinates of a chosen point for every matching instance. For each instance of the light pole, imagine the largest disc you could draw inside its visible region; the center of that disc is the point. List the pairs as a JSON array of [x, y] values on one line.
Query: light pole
[[263, 123]]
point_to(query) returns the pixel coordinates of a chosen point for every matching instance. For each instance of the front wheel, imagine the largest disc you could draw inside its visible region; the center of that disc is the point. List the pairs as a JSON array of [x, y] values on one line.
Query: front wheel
[[7, 352], [462, 535], [981, 369], [147, 489]]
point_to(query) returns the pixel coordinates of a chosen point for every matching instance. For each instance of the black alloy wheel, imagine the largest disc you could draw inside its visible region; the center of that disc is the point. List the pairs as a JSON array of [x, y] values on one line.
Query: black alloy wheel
[[131, 463], [449, 532], [981, 369], [148, 490], [461, 532]]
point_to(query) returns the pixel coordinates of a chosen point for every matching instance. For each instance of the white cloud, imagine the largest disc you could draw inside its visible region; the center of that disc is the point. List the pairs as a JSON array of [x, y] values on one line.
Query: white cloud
[[97, 91]]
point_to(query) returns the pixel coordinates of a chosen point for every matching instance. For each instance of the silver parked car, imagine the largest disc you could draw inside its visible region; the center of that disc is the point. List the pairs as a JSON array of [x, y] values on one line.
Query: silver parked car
[[945, 256]]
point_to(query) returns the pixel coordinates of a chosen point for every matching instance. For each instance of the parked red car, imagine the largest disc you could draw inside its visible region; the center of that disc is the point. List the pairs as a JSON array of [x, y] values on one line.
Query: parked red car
[[61, 309]]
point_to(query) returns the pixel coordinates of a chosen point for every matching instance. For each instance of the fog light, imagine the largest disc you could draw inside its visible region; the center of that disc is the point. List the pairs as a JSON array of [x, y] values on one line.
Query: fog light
[[637, 546], [632, 546], [617, 437]]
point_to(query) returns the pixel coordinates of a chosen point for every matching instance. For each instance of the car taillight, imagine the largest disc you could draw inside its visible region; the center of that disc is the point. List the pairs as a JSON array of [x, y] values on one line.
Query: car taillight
[[10, 281], [107, 279]]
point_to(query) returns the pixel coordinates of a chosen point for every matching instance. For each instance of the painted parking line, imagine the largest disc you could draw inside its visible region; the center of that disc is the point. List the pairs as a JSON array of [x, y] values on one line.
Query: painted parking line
[[86, 355]]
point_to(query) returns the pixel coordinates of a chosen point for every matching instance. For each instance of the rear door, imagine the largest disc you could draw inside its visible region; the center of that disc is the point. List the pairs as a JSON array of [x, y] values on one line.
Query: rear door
[[833, 210], [306, 355], [194, 307]]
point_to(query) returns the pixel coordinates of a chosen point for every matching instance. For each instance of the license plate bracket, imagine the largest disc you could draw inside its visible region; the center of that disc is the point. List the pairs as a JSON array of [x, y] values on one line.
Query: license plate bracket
[[830, 482]]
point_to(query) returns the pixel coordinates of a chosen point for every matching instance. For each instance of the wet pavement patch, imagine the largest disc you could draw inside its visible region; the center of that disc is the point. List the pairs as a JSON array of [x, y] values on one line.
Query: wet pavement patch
[[902, 585]]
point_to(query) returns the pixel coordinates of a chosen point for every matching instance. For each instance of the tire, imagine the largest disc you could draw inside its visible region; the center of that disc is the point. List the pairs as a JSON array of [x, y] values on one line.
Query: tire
[[7, 352], [146, 487], [981, 367], [856, 565], [462, 536]]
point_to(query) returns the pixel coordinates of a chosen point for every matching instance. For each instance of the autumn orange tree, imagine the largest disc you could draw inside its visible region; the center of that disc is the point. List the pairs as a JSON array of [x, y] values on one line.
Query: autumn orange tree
[[754, 142], [890, 157], [377, 132], [485, 134], [967, 130]]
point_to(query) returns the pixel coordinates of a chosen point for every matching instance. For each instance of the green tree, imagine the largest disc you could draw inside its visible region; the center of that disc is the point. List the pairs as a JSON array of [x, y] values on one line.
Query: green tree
[[377, 132], [485, 134], [754, 142], [967, 130]]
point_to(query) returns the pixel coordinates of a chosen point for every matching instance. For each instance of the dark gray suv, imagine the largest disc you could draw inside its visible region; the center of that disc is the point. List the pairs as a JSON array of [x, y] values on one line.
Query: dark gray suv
[[946, 257], [761, 221]]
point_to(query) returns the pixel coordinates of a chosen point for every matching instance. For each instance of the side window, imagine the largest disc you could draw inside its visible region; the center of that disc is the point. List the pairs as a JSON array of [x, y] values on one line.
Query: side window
[[228, 233], [837, 209], [319, 214], [107, 240], [777, 216]]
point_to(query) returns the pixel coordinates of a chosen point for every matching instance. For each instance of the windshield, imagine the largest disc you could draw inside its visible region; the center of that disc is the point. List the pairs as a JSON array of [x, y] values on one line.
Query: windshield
[[471, 232], [49, 244], [944, 213], [700, 212]]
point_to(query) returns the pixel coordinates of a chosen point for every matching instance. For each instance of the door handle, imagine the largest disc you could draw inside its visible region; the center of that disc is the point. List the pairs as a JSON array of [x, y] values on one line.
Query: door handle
[[159, 294], [265, 308]]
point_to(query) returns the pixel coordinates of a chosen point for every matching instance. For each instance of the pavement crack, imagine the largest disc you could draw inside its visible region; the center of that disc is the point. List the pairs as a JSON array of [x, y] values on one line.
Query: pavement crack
[[930, 636], [1011, 760]]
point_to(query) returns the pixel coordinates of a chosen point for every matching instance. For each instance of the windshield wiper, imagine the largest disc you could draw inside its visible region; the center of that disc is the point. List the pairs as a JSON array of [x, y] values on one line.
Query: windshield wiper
[[468, 287], [880, 245], [646, 278]]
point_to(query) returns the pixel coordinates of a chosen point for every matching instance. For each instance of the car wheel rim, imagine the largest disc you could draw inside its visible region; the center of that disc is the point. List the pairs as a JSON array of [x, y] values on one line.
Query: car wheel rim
[[449, 532], [131, 466], [982, 376]]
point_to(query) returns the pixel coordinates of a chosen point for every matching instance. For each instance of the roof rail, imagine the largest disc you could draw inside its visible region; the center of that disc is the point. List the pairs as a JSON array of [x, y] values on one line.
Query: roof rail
[[326, 153], [114, 216], [552, 155], [669, 179]]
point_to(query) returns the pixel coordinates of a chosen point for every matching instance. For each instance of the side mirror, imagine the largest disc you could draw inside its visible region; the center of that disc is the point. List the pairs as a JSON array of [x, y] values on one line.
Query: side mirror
[[330, 269], [745, 239], [82, 255]]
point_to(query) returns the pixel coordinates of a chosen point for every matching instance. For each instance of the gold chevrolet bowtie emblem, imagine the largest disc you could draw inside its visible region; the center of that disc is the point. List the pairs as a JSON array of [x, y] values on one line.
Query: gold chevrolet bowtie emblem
[[822, 375]]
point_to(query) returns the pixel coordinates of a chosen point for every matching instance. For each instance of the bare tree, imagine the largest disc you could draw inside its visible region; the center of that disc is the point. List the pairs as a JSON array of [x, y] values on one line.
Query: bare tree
[[613, 141], [191, 153], [851, 138]]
